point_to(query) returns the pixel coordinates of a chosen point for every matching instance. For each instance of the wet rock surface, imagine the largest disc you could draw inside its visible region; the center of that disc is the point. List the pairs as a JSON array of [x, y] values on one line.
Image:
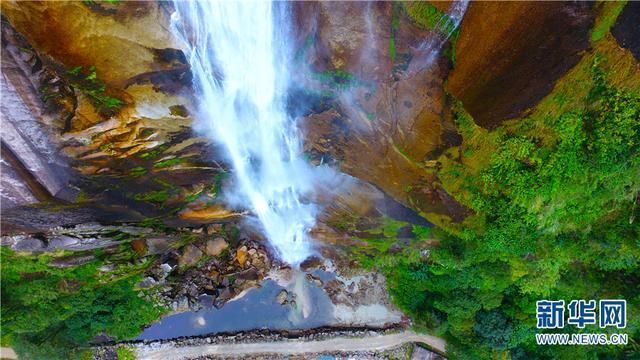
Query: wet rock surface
[[33, 170], [122, 43], [88, 236], [199, 279], [139, 158], [384, 120], [185, 269]]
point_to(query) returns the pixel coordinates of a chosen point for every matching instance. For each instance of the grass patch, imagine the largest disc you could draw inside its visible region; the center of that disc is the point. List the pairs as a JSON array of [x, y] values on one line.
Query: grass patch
[[395, 23], [168, 162], [427, 16], [87, 83], [125, 353], [157, 197], [154, 153], [155, 223]]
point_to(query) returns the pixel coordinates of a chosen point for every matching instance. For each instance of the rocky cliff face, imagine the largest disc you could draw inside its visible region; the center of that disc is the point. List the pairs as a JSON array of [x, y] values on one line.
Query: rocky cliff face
[[109, 189], [506, 65], [101, 109], [387, 120], [102, 99]]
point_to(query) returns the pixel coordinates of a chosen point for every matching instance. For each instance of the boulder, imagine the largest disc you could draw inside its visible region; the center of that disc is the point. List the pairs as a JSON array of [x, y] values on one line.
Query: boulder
[[216, 246], [190, 256], [158, 244], [63, 242], [310, 263], [241, 255], [28, 244], [139, 246], [394, 248], [282, 296], [147, 282], [226, 294], [249, 274], [420, 353], [72, 260]]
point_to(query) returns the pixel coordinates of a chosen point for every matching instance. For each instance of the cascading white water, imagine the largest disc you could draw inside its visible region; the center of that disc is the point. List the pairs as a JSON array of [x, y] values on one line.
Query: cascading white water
[[238, 60], [429, 49]]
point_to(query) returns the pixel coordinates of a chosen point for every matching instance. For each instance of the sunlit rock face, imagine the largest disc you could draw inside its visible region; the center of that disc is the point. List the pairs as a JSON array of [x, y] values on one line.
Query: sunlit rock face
[[139, 154], [121, 40], [387, 124], [378, 114], [32, 170], [505, 65]]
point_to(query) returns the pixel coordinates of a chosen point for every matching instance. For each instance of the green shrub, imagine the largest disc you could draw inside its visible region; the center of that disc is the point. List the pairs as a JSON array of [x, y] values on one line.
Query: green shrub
[[53, 313], [553, 218], [89, 84]]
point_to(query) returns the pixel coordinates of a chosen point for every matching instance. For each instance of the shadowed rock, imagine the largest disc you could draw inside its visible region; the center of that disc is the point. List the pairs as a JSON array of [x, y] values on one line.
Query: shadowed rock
[[627, 28], [506, 64]]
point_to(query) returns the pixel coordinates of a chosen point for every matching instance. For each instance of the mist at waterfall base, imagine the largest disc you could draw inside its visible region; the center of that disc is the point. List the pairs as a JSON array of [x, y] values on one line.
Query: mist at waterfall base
[[239, 62]]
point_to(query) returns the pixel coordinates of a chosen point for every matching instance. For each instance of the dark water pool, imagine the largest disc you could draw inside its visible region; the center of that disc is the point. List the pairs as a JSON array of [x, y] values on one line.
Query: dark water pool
[[258, 309]]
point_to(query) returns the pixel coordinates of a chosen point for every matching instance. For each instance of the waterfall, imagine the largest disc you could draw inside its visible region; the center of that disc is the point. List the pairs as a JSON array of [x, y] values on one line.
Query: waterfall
[[238, 53], [427, 51]]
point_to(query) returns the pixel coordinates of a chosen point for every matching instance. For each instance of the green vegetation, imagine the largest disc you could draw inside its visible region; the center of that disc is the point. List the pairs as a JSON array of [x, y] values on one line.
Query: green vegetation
[[48, 93], [158, 197], [155, 223], [554, 200], [381, 247], [450, 51], [137, 171], [168, 162], [216, 187], [336, 79], [51, 312], [89, 84], [94, 2], [427, 16], [610, 11], [395, 22], [125, 353], [82, 197], [154, 153]]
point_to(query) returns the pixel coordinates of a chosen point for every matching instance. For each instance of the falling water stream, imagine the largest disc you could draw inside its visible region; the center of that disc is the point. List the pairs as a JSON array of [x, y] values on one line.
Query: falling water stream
[[238, 52], [430, 48], [238, 58]]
